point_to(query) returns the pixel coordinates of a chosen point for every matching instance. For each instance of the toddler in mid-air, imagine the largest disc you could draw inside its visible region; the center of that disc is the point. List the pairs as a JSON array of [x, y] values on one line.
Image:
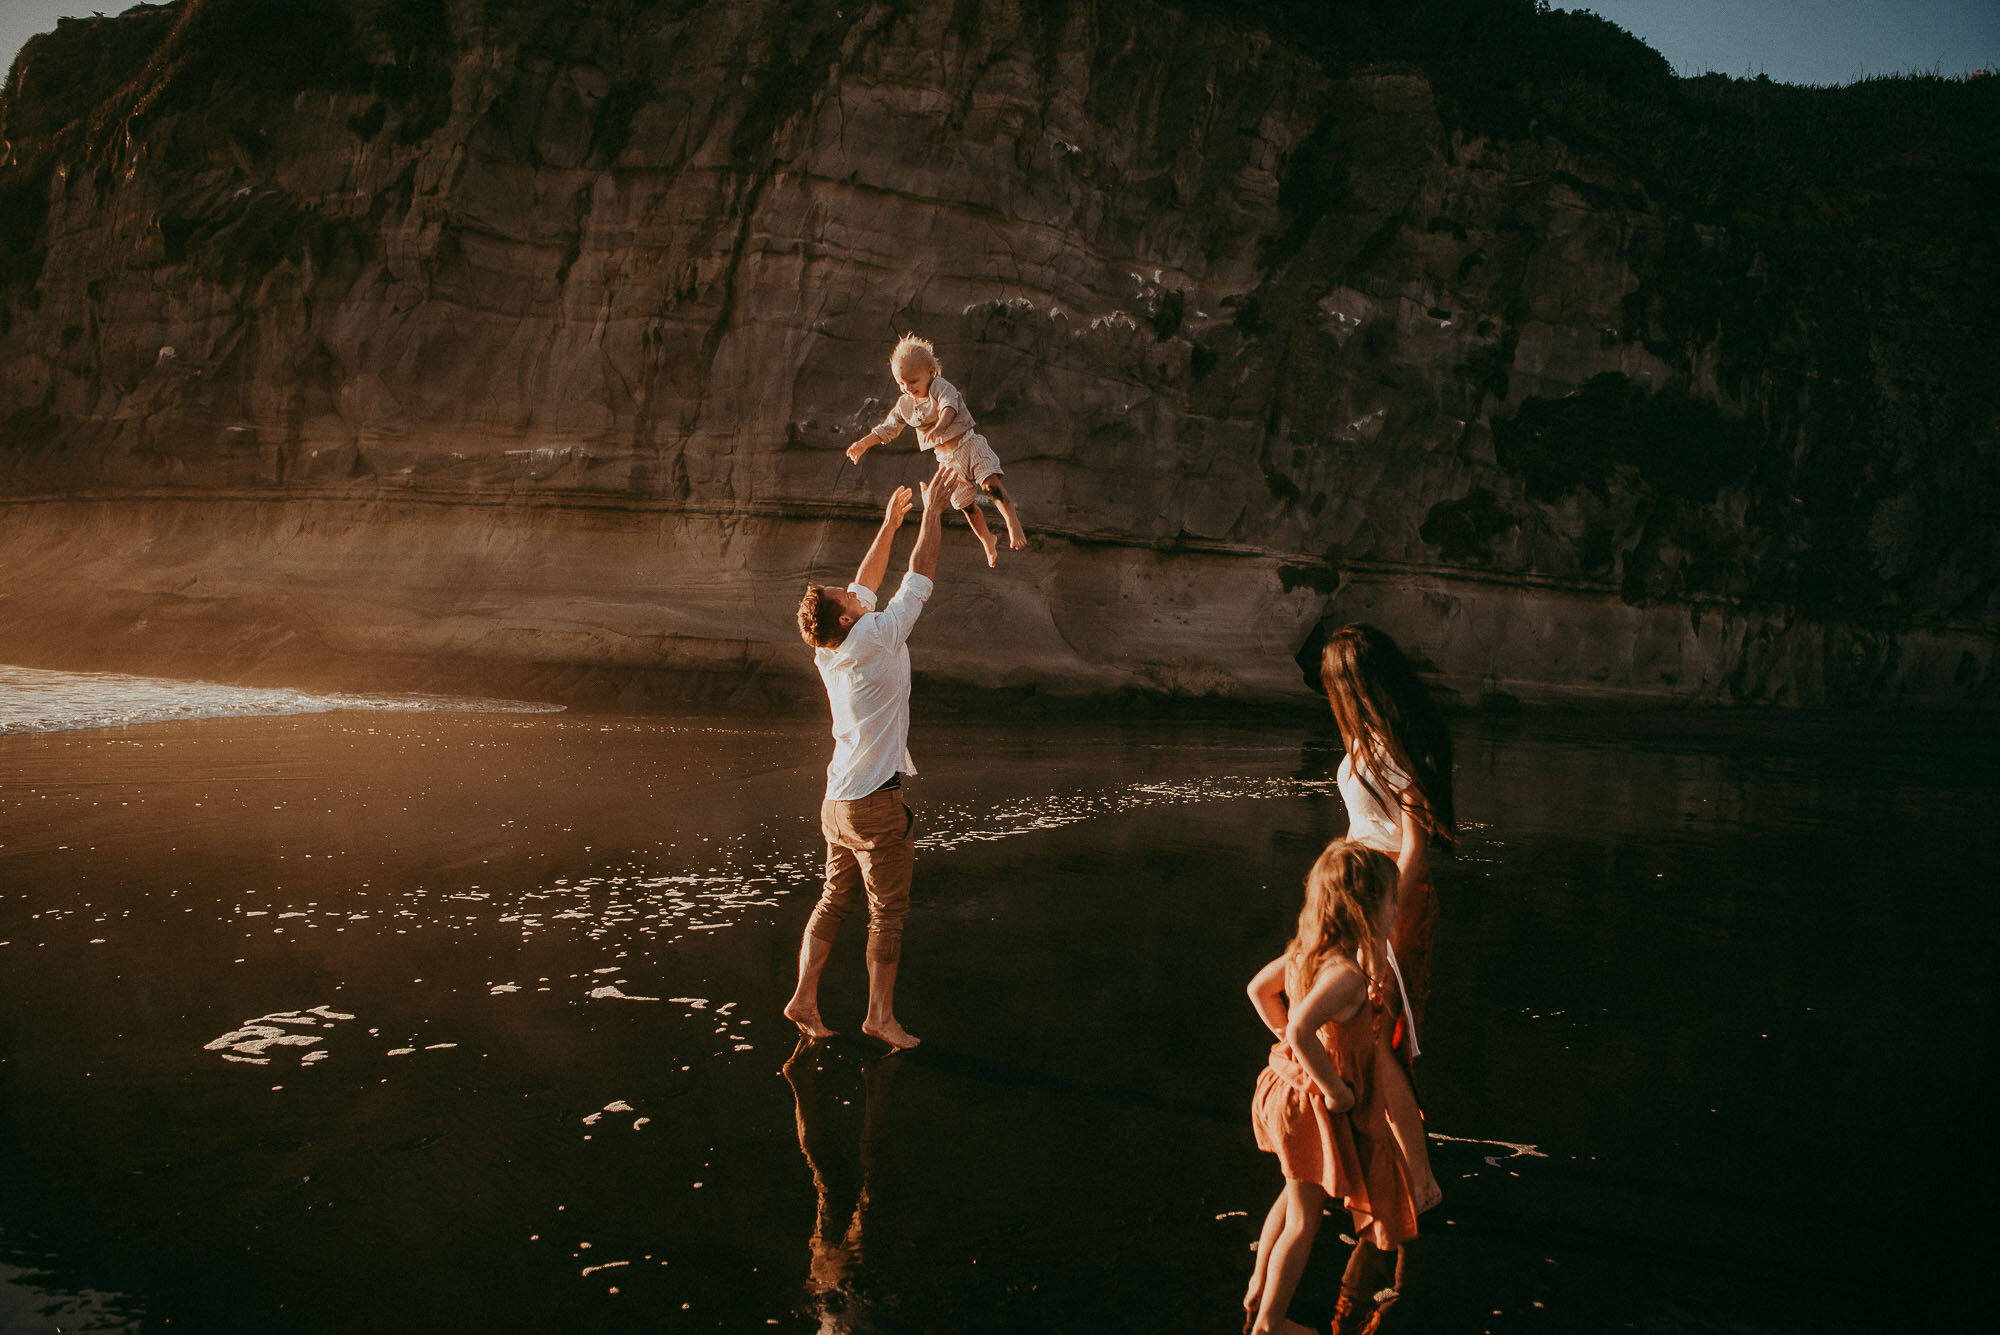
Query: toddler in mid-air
[[933, 405]]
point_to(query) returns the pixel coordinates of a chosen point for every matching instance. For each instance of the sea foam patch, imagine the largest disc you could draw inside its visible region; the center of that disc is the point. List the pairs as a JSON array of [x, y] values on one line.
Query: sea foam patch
[[281, 1033], [1503, 1149], [611, 992]]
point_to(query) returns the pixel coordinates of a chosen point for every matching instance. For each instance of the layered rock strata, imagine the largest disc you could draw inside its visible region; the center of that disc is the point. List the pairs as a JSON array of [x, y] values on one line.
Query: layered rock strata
[[527, 337]]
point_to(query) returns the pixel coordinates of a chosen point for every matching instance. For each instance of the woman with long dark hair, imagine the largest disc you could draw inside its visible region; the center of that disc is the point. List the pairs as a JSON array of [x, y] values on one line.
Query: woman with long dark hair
[[1396, 782]]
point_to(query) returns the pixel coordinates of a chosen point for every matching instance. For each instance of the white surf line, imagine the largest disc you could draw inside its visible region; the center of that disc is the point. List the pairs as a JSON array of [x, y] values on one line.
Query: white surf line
[[674, 904], [640, 905], [36, 700], [1055, 812]]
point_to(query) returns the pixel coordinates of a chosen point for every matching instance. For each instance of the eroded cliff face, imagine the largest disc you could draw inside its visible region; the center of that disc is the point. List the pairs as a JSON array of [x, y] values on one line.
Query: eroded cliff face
[[531, 334]]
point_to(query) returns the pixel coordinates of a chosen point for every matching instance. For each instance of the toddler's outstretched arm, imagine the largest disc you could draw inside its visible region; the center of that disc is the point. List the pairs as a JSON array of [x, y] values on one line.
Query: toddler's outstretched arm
[[862, 446]]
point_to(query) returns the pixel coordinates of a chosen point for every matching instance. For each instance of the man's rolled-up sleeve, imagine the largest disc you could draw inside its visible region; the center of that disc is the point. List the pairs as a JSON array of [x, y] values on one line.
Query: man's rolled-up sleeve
[[902, 610]]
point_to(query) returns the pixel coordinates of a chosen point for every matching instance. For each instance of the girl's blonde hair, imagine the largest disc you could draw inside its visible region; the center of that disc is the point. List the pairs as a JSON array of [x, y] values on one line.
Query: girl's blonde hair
[[913, 347], [1350, 895]]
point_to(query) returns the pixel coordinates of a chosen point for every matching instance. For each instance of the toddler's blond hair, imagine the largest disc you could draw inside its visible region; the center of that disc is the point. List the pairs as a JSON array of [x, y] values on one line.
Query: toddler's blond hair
[[914, 348]]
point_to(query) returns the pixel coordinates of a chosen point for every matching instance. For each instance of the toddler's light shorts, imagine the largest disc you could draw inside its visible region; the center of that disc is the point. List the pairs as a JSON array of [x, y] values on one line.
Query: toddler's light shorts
[[974, 461]]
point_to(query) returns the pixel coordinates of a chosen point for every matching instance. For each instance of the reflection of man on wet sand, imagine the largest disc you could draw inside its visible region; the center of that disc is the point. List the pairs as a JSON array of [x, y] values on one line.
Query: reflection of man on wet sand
[[863, 658], [842, 1164]]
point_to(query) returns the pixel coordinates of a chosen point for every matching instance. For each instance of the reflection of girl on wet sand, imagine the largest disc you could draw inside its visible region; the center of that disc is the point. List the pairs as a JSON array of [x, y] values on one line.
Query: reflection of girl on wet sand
[[1334, 1102], [841, 1166], [1396, 782]]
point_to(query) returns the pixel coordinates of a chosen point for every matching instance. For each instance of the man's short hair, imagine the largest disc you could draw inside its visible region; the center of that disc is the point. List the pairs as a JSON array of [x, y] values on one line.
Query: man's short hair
[[819, 619]]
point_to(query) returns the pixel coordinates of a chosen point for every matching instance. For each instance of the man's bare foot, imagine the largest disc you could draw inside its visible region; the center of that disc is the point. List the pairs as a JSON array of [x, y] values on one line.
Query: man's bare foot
[[892, 1033], [806, 1017]]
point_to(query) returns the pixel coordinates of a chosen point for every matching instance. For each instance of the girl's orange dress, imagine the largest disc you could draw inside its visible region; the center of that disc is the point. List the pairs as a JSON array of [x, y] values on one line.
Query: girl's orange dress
[[1371, 1158]]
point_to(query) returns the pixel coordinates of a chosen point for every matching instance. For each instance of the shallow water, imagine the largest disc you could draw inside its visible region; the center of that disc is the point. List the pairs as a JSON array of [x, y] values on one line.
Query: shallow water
[[360, 1020]]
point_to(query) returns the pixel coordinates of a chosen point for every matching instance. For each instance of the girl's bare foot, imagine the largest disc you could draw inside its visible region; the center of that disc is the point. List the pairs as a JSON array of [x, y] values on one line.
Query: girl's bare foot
[[891, 1033], [1283, 1326], [806, 1017]]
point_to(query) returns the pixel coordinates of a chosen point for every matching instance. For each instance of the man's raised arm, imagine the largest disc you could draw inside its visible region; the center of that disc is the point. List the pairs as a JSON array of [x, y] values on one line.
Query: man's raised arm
[[876, 564], [930, 529]]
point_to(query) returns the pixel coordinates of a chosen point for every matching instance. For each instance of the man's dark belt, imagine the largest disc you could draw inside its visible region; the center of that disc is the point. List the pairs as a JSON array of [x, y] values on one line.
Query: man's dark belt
[[895, 781]]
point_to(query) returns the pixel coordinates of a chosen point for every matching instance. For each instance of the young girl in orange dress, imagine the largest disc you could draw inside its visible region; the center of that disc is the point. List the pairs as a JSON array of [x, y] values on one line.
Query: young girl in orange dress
[[1396, 782], [1334, 1102]]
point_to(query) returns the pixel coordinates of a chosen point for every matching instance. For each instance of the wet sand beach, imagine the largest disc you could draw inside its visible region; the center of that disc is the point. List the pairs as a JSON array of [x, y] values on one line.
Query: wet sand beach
[[462, 1021]]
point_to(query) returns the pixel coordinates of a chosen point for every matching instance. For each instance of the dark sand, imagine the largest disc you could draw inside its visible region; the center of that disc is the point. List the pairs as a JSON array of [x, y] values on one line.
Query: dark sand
[[1728, 983]]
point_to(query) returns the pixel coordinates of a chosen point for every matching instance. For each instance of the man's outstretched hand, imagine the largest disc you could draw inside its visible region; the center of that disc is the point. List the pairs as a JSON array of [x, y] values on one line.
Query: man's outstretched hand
[[937, 495], [899, 505], [939, 488]]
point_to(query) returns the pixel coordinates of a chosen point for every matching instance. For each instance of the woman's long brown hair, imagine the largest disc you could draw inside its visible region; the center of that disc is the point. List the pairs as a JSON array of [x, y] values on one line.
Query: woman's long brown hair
[[1383, 711]]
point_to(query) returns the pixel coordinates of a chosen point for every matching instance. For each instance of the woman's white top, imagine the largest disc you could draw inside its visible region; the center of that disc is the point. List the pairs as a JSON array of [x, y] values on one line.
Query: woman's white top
[[1374, 819]]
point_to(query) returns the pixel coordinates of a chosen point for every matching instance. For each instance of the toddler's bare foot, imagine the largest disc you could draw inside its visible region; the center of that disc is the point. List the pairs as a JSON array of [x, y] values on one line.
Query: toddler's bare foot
[[891, 1033], [806, 1017], [992, 551], [1017, 536]]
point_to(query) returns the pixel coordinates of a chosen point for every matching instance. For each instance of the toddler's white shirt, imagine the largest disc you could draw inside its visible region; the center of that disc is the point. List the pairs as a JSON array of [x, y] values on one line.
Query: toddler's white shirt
[[920, 413]]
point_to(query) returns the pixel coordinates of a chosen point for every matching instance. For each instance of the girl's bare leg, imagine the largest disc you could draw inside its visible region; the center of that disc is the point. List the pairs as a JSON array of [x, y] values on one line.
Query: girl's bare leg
[[1266, 1241], [983, 533], [1017, 537], [1303, 1203]]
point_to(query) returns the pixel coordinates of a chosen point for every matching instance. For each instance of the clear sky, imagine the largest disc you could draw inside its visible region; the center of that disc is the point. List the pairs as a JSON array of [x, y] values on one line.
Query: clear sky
[[22, 19], [1813, 41], [1793, 41]]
